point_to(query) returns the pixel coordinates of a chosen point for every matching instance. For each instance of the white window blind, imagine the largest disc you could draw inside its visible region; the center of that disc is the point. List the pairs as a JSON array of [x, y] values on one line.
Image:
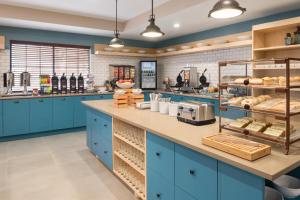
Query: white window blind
[[44, 59]]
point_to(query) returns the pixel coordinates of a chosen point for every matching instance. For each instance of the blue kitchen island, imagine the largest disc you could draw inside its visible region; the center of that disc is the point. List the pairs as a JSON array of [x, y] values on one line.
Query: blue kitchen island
[[177, 165]]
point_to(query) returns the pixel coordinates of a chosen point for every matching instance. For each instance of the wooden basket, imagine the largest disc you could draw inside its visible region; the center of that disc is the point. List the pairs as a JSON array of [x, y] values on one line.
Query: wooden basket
[[120, 100], [240, 147]]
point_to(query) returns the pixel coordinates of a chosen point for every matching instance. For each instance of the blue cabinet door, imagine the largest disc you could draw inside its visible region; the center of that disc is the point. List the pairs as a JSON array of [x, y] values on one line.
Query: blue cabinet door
[[237, 184], [16, 117], [160, 156], [196, 173], [182, 195], [158, 188], [106, 127], [80, 110], [1, 119], [89, 129], [106, 154], [41, 111], [63, 112]]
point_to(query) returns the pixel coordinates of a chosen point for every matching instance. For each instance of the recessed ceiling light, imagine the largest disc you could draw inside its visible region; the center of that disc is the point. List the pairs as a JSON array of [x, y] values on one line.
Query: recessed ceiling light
[[176, 25]]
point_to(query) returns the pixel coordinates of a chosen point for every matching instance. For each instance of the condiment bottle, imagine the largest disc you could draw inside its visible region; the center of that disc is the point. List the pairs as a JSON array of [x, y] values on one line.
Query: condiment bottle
[[288, 39]]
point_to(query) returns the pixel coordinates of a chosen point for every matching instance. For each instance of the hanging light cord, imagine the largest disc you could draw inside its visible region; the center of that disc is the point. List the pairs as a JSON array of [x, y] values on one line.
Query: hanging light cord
[[116, 17]]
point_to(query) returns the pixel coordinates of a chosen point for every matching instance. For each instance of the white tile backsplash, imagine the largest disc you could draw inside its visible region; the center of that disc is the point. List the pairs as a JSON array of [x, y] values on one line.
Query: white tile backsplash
[[167, 66]]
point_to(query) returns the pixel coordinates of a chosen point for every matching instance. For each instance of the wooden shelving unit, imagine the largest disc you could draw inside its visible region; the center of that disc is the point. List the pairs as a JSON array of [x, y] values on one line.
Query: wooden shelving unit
[[224, 42], [129, 157]]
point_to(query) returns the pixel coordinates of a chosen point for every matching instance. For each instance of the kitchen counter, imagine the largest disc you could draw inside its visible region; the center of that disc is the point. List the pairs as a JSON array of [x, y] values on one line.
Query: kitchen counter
[[269, 167], [51, 95]]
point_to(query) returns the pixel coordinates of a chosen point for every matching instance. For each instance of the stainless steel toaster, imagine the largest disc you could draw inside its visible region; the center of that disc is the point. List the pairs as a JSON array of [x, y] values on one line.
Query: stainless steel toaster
[[196, 113]]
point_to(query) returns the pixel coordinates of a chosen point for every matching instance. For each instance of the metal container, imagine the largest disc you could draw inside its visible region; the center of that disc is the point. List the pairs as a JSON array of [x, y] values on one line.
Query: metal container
[[8, 81], [25, 81], [196, 113]]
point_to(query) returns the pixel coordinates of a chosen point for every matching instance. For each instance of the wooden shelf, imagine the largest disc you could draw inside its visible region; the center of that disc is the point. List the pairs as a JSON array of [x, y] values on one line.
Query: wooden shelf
[[275, 68], [136, 192], [130, 163], [263, 87], [275, 48], [129, 143]]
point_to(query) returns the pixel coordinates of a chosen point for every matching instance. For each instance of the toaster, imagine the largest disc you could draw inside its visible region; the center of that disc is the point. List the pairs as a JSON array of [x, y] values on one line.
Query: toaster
[[196, 113]]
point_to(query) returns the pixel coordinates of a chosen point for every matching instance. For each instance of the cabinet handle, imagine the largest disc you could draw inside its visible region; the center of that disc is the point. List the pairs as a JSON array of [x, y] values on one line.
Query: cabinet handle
[[192, 172], [83, 98], [158, 195], [105, 125], [157, 154], [95, 143], [16, 101], [41, 100], [105, 152], [63, 99], [95, 119]]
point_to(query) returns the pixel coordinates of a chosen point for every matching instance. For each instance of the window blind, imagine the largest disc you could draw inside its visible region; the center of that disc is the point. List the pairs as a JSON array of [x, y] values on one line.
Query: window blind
[[45, 59]]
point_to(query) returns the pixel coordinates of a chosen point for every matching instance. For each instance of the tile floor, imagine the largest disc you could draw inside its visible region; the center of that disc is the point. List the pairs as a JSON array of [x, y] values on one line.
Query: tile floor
[[58, 167]]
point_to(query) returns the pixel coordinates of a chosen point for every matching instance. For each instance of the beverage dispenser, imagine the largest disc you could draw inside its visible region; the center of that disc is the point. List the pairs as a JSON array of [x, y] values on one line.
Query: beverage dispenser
[[72, 84], [63, 84]]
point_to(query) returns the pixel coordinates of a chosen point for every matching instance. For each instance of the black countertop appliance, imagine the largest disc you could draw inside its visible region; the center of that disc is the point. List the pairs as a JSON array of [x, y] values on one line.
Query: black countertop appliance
[[73, 83], [54, 81], [63, 84], [80, 82]]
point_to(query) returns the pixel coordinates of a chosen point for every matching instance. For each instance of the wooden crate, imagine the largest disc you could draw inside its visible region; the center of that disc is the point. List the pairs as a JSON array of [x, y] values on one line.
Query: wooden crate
[[134, 98], [240, 147], [120, 100]]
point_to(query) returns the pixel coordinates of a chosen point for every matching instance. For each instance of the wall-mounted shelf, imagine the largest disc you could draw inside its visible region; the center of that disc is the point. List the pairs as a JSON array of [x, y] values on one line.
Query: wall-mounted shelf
[[275, 48], [224, 42]]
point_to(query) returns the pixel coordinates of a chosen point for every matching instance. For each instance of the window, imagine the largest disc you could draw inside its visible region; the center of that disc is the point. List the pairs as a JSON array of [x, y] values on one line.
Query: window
[[45, 59]]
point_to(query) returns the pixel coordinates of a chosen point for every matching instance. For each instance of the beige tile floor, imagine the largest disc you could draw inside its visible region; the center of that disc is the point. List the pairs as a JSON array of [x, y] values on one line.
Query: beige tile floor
[[58, 167]]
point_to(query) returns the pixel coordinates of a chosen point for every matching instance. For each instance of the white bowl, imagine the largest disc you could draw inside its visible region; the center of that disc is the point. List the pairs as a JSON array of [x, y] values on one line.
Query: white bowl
[[120, 92], [185, 47], [137, 91], [171, 49], [125, 85]]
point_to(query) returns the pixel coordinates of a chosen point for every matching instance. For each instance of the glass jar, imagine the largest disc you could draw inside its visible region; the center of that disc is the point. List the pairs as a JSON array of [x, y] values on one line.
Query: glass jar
[[288, 39]]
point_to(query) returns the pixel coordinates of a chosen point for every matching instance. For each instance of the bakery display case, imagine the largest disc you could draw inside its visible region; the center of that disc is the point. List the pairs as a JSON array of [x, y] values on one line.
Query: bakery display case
[[271, 103]]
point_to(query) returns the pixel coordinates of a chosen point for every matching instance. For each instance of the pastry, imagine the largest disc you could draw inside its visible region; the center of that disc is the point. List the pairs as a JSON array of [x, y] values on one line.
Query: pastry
[[241, 122], [268, 81], [266, 105], [256, 126], [256, 81], [275, 80], [236, 101], [240, 80], [249, 102], [282, 81]]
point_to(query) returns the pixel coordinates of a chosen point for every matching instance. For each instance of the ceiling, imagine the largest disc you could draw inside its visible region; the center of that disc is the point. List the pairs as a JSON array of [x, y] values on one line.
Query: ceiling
[[96, 17]]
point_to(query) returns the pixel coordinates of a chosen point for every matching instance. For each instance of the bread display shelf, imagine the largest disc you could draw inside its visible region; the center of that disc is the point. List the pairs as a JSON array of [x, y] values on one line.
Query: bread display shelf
[[287, 85], [280, 115]]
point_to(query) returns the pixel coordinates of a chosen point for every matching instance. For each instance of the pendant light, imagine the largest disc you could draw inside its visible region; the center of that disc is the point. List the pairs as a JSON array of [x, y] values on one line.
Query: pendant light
[[116, 42], [152, 30], [226, 9]]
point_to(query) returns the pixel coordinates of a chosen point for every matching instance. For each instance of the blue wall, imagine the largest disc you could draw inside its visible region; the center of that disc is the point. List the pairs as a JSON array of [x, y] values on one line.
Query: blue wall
[[227, 30], [12, 33]]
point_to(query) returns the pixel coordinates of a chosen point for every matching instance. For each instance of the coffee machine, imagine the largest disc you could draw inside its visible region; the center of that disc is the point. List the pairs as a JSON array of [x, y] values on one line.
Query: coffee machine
[[25, 81], [8, 82], [63, 84], [54, 81], [72, 84], [80, 82]]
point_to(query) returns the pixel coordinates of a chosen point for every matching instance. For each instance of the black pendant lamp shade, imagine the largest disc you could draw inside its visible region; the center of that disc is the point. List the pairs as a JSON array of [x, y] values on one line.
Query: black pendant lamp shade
[[152, 30], [226, 9], [116, 42]]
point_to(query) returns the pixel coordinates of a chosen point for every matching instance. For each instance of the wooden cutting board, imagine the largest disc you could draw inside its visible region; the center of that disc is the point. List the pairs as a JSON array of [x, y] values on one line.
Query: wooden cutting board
[[240, 147]]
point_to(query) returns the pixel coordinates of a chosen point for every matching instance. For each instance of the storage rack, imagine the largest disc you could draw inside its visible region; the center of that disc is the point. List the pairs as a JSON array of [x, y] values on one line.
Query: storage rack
[[284, 141], [129, 156]]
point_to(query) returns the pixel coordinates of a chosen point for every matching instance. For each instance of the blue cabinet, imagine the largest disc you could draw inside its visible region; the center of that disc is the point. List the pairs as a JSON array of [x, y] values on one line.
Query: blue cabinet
[[182, 195], [41, 114], [63, 111], [1, 119], [158, 188], [16, 117], [80, 110], [196, 173], [160, 156], [237, 184], [99, 136]]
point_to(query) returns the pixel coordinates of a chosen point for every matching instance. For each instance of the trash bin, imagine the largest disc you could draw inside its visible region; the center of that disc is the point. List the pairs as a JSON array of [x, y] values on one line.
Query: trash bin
[[289, 186], [272, 194]]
